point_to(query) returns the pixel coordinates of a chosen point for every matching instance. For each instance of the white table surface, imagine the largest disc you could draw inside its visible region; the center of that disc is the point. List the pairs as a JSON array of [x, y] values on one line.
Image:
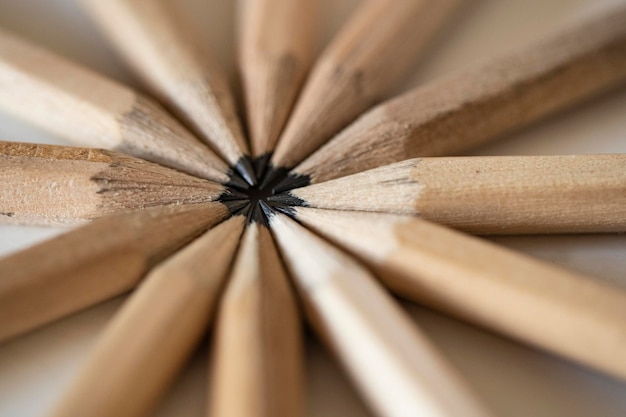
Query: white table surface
[[514, 380]]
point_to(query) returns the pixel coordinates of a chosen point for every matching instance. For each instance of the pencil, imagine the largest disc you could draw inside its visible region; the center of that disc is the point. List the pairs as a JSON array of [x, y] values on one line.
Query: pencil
[[257, 348], [165, 56], [570, 315], [47, 184], [276, 49], [392, 362], [88, 109], [370, 54], [487, 195], [148, 341], [482, 103], [93, 263]]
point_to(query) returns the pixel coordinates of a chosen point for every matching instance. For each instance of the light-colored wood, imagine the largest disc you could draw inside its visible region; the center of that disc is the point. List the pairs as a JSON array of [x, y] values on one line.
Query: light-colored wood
[[395, 366], [275, 54], [93, 263], [257, 366], [46, 184], [160, 49], [489, 195], [148, 341], [573, 316], [484, 102], [91, 110], [370, 54]]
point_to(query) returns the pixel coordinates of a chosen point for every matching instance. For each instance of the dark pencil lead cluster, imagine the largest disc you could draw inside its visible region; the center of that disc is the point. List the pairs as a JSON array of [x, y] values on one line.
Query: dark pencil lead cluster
[[257, 196]]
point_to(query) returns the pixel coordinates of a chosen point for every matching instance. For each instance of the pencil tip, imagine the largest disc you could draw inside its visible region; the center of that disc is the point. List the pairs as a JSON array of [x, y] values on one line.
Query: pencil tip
[[257, 215], [287, 199], [235, 181], [290, 182], [237, 207], [245, 168], [272, 176], [260, 164], [268, 211]]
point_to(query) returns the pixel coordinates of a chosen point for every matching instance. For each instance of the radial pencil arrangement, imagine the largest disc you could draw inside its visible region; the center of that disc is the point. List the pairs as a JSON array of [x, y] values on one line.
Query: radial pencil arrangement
[[328, 198]]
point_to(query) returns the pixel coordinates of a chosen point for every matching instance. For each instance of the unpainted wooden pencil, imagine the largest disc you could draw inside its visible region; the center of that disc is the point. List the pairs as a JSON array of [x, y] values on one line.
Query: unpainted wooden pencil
[[276, 49], [370, 54], [570, 315], [93, 263], [88, 109], [482, 103], [396, 367], [164, 54], [487, 194], [47, 184], [149, 340], [257, 356]]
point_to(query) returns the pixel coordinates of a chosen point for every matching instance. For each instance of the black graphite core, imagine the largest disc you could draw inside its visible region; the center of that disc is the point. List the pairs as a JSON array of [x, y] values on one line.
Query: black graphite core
[[269, 194]]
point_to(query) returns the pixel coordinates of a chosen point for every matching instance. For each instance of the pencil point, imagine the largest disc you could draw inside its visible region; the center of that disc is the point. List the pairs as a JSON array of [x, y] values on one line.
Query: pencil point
[[267, 211], [235, 181], [287, 199], [245, 168], [237, 207], [272, 176], [290, 182], [261, 163]]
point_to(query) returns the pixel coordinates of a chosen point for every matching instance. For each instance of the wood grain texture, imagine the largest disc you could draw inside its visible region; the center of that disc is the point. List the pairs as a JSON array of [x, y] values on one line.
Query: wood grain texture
[[570, 315], [394, 365], [477, 105], [489, 195], [46, 184], [93, 263], [159, 48], [276, 50], [90, 110], [257, 350], [369, 55], [148, 341]]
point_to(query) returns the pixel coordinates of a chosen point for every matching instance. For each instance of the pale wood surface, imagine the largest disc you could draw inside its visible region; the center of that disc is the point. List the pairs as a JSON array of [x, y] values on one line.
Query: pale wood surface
[[148, 341], [490, 194], [47, 184], [93, 263], [275, 52], [91, 110], [372, 51], [395, 365], [571, 315], [159, 48], [257, 349], [474, 106]]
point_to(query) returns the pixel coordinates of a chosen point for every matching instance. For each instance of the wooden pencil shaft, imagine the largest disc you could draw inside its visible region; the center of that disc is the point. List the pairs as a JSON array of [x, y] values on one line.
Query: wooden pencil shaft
[[149, 340], [93, 263], [257, 351], [392, 362], [275, 55], [567, 314], [46, 184], [91, 110], [489, 195], [369, 55], [158, 47], [477, 105]]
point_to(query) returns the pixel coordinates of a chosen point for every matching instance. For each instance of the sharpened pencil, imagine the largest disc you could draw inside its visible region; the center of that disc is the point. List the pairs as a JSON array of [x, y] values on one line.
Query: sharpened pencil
[[149, 340], [570, 315], [257, 350], [90, 110], [369, 55], [477, 105], [47, 184], [392, 362], [276, 49], [190, 82], [487, 195], [93, 263]]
